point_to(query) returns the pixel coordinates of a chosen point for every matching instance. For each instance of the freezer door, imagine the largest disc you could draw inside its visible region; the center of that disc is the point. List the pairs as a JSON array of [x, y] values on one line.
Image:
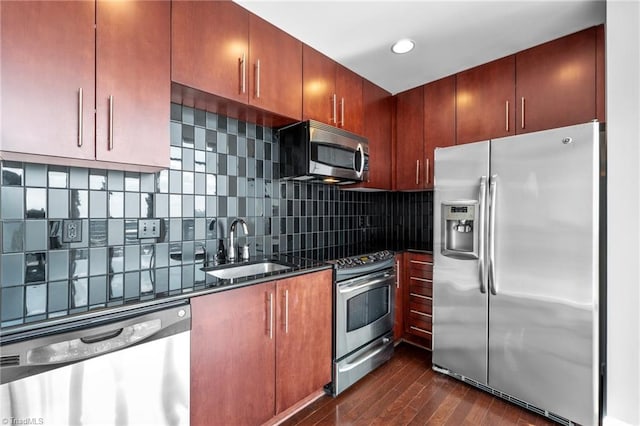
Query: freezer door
[[543, 308], [460, 299]]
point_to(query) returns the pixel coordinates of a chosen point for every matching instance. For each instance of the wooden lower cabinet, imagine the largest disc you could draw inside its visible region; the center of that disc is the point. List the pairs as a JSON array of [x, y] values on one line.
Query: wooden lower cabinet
[[233, 356], [258, 350], [418, 298], [303, 349]]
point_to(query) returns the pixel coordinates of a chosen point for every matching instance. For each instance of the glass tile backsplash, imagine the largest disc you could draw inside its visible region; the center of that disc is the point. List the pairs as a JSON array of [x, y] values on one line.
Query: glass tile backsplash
[[69, 236]]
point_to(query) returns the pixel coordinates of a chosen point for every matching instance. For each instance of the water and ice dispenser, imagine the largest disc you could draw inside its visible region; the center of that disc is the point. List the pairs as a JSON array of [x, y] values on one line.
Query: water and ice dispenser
[[460, 229]]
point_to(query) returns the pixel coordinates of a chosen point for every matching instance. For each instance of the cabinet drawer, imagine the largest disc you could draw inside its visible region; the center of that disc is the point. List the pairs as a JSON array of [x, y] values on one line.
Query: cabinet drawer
[[420, 266], [418, 331], [420, 303], [419, 319], [421, 286]]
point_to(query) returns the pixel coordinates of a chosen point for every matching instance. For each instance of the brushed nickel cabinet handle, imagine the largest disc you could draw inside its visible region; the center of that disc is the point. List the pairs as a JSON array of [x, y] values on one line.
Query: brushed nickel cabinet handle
[[522, 112], [342, 112], [271, 316], [417, 172], [258, 79], [243, 72], [334, 106], [428, 172], [110, 122], [398, 273], [80, 117], [421, 262], [286, 311], [506, 116]]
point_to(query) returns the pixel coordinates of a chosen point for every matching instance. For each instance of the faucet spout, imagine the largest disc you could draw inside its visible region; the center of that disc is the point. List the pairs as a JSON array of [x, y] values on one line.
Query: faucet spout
[[232, 232]]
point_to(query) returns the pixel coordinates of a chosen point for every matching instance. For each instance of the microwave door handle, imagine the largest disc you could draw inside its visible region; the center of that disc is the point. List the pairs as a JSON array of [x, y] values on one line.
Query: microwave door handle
[[360, 153]]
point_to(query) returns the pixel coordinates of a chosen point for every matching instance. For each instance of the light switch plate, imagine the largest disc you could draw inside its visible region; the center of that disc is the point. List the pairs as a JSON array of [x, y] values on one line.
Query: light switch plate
[[148, 228]]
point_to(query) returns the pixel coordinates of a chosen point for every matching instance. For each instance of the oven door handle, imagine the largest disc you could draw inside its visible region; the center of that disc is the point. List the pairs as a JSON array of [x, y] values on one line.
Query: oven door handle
[[365, 357], [352, 288]]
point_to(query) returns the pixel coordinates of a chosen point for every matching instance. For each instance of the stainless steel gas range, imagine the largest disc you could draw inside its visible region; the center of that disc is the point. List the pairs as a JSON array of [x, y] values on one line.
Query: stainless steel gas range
[[363, 323]]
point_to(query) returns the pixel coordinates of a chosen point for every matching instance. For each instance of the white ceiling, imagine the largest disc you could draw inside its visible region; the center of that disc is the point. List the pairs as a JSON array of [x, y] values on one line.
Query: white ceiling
[[450, 36]]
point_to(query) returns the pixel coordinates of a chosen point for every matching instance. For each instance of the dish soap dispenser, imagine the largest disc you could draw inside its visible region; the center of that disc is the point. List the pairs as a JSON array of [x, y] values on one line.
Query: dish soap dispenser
[[221, 256]]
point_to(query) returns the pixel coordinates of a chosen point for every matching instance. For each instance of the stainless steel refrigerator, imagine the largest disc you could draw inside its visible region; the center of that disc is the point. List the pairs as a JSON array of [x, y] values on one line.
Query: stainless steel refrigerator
[[516, 297]]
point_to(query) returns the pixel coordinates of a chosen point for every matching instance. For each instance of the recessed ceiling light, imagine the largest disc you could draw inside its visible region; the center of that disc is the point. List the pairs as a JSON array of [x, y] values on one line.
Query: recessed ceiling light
[[403, 46]]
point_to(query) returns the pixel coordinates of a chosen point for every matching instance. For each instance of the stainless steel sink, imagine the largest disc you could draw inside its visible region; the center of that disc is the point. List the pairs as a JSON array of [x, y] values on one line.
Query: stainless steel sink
[[246, 269]]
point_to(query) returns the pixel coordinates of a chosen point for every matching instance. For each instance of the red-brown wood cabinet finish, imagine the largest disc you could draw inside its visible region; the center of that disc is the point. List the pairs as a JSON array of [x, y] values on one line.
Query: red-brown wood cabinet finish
[[418, 298], [117, 54], [319, 87], [221, 49], [304, 337], [331, 93], [47, 58], [349, 100], [485, 105], [275, 69], [210, 47], [377, 110], [556, 83], [233, 340], [410, 158], [258, 350], [439, 120], [133, 57]]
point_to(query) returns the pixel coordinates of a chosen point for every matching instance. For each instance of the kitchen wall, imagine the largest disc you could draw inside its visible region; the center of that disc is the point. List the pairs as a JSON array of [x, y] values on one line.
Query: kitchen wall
[[221, 168]]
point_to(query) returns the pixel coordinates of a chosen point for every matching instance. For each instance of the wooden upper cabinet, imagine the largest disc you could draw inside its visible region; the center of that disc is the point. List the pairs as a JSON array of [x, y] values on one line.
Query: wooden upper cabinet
[[485, 106], [439, 120], [304, 330], [377, 110], [62, 60], [47, 59], [319, 99], [331, 93], [349, 100], [210, 47], [410, 159], [133, 89], [275, 69], [233, 356], [556, 83]]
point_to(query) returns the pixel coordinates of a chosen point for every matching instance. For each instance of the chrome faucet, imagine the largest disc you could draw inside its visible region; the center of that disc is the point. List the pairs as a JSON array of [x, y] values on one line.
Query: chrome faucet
[[232, 231]]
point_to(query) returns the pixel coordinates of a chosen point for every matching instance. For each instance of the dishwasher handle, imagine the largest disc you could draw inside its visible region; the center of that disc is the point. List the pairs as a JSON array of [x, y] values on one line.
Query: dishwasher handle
[[102, 336], [90, 346]]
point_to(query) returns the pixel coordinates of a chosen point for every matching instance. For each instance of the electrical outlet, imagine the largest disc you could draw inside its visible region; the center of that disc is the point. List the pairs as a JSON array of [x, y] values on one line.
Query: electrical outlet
[[71, 231], [148, 228]]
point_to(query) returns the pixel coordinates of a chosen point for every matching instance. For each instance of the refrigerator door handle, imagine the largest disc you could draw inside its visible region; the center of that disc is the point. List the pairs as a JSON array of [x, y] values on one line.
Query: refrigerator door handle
[[493, 186], [482, 197]]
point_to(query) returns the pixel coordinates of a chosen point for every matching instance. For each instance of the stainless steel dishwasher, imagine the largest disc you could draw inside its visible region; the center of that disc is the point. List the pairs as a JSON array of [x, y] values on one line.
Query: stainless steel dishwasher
[[129, 368]]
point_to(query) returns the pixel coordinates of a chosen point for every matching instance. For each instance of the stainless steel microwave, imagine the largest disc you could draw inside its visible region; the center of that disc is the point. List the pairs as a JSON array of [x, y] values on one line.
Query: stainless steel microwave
[[313, 151]]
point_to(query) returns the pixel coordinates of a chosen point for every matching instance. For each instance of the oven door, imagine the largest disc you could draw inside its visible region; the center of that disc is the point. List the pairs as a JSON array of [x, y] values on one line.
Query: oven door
[[364, 310]]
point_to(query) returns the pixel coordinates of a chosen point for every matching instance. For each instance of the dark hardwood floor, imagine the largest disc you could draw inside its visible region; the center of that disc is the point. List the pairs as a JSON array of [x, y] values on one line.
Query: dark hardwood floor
[[406, 391]]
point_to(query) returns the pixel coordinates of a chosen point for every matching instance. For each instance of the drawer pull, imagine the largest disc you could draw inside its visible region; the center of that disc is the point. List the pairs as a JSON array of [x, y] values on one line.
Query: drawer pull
[[420, 262], [413, 311], [422, 279], [420, 296], [420, 329]]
